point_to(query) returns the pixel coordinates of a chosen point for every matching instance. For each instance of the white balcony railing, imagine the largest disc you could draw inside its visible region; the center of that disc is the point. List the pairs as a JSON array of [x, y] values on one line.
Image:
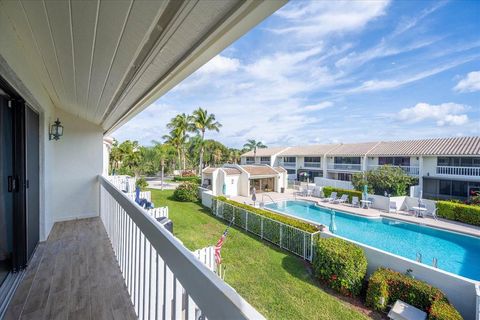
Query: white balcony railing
[[265, 162], [288, 164], [344, 167], [250, 162], [459, 171], [163, 278], [312, 164], [410, 170]]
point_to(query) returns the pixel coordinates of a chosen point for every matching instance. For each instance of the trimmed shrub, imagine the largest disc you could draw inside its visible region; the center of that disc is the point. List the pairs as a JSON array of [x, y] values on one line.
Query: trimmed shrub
[[142, 183], [442, 310], [269, 214], [327, 191], [387, 286], [186, 192], [459, 212], [341, 264], [193, 179]]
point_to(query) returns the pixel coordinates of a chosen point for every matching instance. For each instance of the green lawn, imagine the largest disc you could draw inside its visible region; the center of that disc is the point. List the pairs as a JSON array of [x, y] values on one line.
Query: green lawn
[[275, 282]]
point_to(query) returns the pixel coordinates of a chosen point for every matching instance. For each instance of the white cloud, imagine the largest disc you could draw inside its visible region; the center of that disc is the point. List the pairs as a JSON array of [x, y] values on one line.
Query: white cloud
[[220, 64], [318, 106], [374, 85], [318, 18], [470, 83], [444, 114]]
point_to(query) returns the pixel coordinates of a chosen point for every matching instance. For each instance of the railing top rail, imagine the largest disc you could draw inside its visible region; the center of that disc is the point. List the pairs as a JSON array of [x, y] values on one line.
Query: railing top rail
[[214, 297]]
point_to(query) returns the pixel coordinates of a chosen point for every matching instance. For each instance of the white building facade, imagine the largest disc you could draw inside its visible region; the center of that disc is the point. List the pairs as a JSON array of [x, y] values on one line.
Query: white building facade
[[446, 168]]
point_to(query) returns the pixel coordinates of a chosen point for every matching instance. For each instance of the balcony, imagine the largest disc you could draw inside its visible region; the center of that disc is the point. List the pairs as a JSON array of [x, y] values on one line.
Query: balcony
[[121, 265], [288, 164], [312, 164], [344, 167], [410, 170], [458, 171], [265, 162]]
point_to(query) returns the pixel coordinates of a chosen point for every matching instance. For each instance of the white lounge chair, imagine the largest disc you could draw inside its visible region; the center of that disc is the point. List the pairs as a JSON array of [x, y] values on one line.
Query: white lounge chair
[[342, 199], [333, 197], [355, 202], [434, 213], [392, 207]]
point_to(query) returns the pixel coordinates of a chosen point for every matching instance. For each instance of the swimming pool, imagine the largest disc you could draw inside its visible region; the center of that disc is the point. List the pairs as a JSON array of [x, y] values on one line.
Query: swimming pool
[[455, 253]]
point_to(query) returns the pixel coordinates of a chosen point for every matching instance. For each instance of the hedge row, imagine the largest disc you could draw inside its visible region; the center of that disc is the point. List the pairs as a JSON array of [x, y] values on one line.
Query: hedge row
[[327, 191], [194, 179], [341, 264], [459, 212], [387, 286], [274, 216]]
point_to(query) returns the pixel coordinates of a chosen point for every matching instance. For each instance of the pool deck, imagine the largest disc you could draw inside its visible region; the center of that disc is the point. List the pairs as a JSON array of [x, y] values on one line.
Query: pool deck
[[372, 213]]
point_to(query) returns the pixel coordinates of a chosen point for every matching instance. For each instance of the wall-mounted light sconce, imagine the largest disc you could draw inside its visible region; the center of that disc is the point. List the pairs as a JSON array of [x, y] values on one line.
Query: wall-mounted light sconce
[[56, 130]]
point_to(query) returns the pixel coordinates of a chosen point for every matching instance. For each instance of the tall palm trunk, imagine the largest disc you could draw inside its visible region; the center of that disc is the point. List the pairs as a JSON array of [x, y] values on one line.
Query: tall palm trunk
[[200, 167], [162, 164]]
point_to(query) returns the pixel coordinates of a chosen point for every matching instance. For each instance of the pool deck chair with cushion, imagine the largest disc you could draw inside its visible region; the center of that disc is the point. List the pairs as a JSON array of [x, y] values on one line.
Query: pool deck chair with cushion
[[333, 197], [342, 199], [355, 202]]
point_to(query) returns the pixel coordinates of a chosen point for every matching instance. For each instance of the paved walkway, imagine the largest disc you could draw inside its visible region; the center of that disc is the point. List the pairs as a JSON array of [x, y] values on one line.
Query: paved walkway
[[290, 195]]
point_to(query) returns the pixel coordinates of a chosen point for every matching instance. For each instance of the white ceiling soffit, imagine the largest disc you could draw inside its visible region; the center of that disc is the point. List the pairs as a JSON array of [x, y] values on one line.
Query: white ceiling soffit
[[106, 61]]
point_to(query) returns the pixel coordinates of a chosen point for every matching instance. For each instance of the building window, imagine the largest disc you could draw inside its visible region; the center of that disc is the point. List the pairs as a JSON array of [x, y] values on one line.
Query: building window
[[291, 171], [344, 176], [290, 159], [347, 160], [312, 159], [458, 162], [460, 188], [265, 159], [394, 161], [444, 187], [250, 160]]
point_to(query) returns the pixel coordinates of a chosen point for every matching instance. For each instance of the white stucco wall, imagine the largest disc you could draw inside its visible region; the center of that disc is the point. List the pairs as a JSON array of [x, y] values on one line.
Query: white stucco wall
[[232, 185], [79, 161]]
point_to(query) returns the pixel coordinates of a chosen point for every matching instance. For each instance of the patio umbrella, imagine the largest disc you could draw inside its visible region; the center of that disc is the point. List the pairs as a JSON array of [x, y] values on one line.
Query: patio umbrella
[[254, 196], [333, 225]]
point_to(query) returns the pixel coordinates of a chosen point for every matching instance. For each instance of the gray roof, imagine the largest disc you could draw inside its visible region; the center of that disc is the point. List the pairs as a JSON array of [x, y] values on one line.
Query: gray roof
[[458, 146], [265, 152]]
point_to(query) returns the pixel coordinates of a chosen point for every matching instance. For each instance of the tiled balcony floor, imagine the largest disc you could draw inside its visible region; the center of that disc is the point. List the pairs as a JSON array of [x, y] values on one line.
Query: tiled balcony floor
[[73, 275]]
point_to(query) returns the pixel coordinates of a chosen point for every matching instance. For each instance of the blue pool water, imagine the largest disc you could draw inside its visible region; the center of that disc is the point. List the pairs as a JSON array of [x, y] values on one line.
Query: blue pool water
[[456, 253]]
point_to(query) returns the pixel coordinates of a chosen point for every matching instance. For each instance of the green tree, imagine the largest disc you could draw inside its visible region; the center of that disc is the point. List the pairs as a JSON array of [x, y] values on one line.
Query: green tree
[[390, 179], [254, 145], [179, 126], [202, 121]]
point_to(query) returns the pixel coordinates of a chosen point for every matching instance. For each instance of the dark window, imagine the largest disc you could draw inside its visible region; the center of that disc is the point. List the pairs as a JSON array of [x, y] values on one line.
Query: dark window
[[291, 171], [347, 160], [289, 159], [312, 159], [460, 188], [458, 162], [444, 187], [394, 161], [265, 159], [345, 176], [250, 159]]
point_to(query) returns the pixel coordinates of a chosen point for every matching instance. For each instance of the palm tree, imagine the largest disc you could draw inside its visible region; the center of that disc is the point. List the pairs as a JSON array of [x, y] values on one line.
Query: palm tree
[[254, 145], [179, 126], [175, 141], [201, 121]]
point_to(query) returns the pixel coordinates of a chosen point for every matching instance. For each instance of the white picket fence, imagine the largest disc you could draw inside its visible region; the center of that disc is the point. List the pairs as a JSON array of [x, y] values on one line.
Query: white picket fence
[[159, 212], [207, 257], [292, 239], [143, 195]]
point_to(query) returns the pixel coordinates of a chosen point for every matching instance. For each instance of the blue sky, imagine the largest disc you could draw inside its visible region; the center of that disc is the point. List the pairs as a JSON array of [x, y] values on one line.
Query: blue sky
[[331, 71]]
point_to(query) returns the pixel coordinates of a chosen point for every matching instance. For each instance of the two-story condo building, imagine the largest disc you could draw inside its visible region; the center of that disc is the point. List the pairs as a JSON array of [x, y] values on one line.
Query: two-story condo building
[[446, 167]]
